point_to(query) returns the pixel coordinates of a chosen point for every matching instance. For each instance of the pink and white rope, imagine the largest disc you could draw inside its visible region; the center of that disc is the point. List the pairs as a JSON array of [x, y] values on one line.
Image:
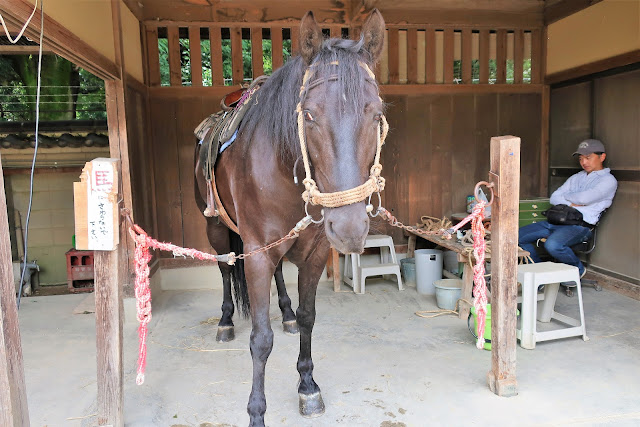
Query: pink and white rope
[[142, 290], [479, 248]]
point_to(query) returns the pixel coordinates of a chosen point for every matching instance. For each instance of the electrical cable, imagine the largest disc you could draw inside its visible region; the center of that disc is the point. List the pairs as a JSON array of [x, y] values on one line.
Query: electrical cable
[[35, 149]]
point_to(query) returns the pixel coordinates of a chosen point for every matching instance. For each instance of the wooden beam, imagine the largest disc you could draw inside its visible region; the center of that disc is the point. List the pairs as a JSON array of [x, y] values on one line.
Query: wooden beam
[[518, 55], [466, 56], [276, 47], [412, 55], [257, 62], [563, 8], [173, 42], [22, 50], [448, 55], [594, 67], [484, 57], [430, 55], [153, 56], [537, 71], [544, 141], [215, 38], [501, 56], [109, 315], [421, 89], [237, 65], [195, 53], [57, 38], [492, 19], [13, 394], [394, 56], [505, 175]]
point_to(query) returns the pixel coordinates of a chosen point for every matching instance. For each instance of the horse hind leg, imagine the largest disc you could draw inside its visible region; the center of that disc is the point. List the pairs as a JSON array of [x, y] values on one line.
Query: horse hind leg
[[289, 323], [225, 325]]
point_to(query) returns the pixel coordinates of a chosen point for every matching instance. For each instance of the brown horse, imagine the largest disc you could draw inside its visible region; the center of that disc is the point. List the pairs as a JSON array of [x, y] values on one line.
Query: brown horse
[[340, 118]]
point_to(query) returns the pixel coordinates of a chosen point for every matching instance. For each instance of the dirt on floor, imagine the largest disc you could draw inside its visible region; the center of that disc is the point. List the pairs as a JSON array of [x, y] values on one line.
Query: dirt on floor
[[63, 289]]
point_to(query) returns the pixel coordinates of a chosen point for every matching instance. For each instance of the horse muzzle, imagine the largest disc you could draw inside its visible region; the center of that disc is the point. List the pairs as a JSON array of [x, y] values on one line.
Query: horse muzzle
[[347, 227]]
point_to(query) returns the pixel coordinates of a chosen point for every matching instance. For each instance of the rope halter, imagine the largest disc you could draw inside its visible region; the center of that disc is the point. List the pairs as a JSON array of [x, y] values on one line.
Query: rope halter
[[374, 184]]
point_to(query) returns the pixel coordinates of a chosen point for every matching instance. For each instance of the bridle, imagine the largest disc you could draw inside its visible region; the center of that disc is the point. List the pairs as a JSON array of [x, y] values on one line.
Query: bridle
[[375, 183]]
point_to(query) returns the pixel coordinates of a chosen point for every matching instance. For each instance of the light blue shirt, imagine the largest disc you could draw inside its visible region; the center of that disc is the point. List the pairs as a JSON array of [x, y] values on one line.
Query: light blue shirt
[[594, 190]]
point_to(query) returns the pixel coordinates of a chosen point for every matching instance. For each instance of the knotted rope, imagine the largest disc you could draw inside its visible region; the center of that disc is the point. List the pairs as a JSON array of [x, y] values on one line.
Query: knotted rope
[[375, 183]]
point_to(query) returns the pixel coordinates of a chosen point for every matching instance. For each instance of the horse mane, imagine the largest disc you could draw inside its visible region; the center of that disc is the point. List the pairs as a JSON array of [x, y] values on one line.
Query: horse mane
[[279, 95]]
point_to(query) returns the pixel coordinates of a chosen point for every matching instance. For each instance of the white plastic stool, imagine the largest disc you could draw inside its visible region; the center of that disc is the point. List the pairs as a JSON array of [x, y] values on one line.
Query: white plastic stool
[[355, 273], [550, 274]]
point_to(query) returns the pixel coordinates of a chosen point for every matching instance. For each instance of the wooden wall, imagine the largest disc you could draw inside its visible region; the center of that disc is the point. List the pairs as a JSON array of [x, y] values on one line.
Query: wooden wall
[[437, 149], [606, 107]]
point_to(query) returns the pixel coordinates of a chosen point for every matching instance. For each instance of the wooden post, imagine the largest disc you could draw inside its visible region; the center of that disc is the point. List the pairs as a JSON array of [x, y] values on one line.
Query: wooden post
[[505, 175], [13, 394], [109, 314]]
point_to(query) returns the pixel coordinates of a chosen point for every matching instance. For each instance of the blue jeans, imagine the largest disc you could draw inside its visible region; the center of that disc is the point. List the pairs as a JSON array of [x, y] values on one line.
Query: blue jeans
[[560, 238]]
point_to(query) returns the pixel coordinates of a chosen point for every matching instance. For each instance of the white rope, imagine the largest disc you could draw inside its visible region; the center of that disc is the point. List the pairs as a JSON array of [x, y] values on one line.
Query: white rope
[[26, 24]]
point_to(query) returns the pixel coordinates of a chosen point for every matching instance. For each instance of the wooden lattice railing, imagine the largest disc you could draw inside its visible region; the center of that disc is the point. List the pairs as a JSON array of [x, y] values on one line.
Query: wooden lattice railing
[[222, 54]]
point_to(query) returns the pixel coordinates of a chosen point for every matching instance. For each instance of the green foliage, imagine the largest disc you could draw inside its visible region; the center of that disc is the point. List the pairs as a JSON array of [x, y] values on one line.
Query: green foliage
[[67, 92], [227, 64]]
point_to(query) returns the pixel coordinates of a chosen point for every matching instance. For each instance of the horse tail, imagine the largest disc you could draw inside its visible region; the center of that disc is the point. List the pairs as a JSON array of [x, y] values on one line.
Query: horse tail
[[238, 278]]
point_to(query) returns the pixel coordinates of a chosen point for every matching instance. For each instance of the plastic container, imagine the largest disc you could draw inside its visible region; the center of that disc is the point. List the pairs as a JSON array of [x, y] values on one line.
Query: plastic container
[[487, 327], [448, 292], [408, 267], [428, 270], [450, 260]]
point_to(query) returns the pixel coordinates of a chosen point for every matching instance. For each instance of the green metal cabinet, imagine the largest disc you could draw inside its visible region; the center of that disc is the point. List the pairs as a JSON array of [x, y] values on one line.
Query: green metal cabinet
[[531, 210]]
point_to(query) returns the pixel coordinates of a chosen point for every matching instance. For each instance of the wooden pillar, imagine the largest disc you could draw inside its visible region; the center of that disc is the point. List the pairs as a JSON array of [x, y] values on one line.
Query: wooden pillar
[[505, 175], [13, 394]]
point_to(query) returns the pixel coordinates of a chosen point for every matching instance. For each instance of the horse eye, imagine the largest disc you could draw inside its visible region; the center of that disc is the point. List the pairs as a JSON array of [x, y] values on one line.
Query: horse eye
[[377, 117], [307, 116]]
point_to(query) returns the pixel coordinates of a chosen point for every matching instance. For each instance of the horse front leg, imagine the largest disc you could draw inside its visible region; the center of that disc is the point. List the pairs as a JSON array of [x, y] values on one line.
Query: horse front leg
[[289, 324], [259, 270], [310, 399]]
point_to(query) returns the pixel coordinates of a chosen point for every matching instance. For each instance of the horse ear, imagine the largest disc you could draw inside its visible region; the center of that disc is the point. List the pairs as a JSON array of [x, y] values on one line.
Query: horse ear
[[310, 37], [373, 31]]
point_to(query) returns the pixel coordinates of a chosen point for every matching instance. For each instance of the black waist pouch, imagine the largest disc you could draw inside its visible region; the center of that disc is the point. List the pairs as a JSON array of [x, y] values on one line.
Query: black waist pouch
[[564, 215]]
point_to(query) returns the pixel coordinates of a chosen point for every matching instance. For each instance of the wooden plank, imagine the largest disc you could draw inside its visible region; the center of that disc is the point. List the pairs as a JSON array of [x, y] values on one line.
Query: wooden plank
[[335, 32], [518, 55], [394, 56], [276, 47], [536, 56], [467, 291], [466, 56], [505, 163], [447, 52], [501, 56], [430, 55], [295, 42], [463, 158], [215, 38], [175, 73], [594, 67], [484, 57], [412, 55], [153, 56], [563, 8], [543, 185], [440, 128], [257, 62], [416, 197], [109, 355], [196, 56], [13, 397], [237, 72]]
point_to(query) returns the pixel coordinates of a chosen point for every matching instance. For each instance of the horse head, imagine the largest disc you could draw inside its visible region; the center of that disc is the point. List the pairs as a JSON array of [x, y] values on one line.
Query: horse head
[[340, 122]]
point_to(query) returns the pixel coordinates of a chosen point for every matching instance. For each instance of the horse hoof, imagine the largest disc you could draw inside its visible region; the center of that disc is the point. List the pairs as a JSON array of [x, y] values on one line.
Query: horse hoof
[[225, 334], [290, 327], [311, 405]]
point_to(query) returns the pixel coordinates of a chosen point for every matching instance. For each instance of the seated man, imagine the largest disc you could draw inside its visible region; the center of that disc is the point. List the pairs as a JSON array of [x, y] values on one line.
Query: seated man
[[590, 191]]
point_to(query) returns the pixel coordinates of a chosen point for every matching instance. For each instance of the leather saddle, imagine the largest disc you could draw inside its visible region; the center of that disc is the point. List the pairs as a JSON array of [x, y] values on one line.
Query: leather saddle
[[215, 133]]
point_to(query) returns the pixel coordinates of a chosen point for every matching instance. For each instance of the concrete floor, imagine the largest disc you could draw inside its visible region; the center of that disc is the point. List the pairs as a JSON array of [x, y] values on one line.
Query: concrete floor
[[377, 363]]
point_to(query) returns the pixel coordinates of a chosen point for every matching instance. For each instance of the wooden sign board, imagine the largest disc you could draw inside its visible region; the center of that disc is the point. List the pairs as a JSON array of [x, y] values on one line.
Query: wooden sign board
[[96, 206]]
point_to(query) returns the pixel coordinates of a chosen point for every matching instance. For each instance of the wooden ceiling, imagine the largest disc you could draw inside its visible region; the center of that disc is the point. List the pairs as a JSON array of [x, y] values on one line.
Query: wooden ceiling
[[533, 13]]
